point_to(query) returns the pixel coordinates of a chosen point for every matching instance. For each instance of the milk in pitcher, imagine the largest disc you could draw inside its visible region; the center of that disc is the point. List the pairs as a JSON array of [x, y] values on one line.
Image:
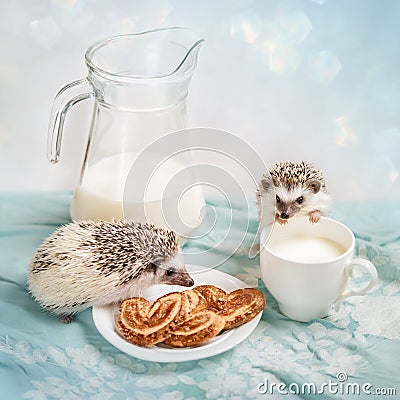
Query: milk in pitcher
[[101, 192]]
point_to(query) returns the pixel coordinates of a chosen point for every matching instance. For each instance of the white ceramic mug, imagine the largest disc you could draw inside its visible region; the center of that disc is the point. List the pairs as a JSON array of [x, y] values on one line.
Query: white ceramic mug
[[306, 266]]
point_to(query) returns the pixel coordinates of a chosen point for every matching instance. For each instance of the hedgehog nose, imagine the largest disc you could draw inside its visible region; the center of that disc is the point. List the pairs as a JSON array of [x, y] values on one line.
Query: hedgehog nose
[[284, 215], [186, 281]]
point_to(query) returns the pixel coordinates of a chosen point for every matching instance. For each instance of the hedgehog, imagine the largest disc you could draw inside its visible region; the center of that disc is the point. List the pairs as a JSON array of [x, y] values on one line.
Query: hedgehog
[[87, 263], [296, 188]]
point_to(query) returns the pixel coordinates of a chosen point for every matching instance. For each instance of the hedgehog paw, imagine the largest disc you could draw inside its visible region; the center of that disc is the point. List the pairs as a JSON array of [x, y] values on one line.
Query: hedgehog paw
[[66, 318], [315, 216], [281, 221]]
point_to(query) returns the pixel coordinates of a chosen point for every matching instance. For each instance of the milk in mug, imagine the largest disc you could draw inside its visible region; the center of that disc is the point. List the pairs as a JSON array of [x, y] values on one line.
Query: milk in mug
[[306, 249]]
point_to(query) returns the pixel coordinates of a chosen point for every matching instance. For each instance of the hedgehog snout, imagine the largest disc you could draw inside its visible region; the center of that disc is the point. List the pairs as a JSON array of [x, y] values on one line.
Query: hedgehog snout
[[187, 280], [181, 279], [287, 209]]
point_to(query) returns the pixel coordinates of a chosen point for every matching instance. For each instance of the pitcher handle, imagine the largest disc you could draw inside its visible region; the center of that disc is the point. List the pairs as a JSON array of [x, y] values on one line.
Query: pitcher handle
[[67, 97], [365, 266]]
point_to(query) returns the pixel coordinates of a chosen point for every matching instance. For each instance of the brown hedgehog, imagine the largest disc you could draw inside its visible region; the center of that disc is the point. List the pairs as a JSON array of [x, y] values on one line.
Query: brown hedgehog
[[88, 263], [295, 188]]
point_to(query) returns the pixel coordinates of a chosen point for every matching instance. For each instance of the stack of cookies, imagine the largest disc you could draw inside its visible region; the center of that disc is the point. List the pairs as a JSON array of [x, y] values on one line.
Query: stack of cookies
[[188, 318]]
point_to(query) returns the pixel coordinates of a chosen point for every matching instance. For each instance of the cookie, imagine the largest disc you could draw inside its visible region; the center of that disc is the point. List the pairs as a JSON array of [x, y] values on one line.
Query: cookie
[[197, 329], [146, 324], [237, 307]]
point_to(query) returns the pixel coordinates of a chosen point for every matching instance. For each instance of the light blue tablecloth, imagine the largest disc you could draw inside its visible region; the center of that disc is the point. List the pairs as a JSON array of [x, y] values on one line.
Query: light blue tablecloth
[[41, 358]]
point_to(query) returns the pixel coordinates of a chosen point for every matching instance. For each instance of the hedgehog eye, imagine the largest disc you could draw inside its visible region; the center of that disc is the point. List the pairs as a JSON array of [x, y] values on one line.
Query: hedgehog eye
[[278, 199], [170, 272], [300, 199]]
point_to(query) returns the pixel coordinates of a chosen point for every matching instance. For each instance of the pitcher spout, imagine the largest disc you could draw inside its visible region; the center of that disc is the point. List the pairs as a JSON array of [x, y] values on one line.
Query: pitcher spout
[[160, 53], [192, 43]]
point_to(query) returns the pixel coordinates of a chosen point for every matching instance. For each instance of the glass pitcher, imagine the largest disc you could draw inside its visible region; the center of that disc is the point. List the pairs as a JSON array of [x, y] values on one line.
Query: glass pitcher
[[139, 83]]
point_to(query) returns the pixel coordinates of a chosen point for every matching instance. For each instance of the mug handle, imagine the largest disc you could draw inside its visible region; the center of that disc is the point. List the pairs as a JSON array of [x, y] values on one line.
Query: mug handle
[[364, 265], [67, 97]]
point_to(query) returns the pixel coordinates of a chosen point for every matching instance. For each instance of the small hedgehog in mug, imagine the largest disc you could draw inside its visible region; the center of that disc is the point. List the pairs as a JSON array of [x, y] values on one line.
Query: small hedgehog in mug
[[297, 188]]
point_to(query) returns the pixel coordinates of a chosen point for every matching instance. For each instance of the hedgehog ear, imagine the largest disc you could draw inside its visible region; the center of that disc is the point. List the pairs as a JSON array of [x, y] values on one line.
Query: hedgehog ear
[[266, 182], [314, 186], [152, 267]]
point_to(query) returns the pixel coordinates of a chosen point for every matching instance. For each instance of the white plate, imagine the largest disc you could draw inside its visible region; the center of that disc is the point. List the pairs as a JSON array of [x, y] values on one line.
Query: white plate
[[104, 319]]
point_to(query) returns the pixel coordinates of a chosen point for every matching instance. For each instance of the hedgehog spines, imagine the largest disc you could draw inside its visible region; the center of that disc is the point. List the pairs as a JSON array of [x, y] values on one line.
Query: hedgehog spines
[[292, 174], [86, 260]]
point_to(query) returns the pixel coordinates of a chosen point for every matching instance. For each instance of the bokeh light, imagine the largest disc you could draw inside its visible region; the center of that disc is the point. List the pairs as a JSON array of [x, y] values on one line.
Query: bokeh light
[[270, 54], [73, 16], [246, 26], [387, 142], [126, 25], [65, 3], [279, 43], [292, 26], [345, 136], [165, 9], [393, 175], [282, 57], [45, 32], [323, 66], [383, 172]]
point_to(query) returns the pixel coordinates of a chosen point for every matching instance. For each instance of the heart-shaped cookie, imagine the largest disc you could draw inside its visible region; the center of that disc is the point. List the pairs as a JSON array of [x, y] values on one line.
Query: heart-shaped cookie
[[196, 329], [188, 318], [146, 324], [236, 307], [192, 302]]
